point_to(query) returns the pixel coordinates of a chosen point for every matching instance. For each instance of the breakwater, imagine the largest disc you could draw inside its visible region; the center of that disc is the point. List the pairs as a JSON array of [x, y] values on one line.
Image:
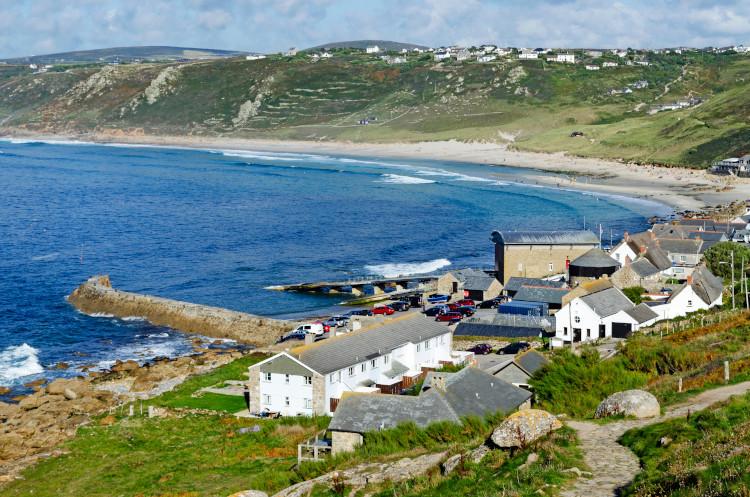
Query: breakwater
[[96, 295]]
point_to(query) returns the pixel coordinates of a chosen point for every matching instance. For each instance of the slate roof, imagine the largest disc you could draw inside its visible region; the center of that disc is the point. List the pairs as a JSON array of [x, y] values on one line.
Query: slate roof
[[581, 237], [643, 267], [347, 350], [283, 364], [467, 392], [607, 302], [482, 283], [681, 246], [467, 273], [541, 294], [706, 285], [596, 258], [531, 361], [641, 313], [515, 283], [658, 257]]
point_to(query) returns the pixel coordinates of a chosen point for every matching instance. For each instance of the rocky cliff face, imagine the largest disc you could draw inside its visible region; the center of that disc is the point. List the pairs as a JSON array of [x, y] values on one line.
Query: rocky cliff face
[[97, 295]]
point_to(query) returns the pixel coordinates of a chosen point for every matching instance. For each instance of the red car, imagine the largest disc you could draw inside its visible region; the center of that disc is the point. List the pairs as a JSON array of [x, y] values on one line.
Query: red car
[[453, 306], [466, 302], [384, 309], [449, 317]]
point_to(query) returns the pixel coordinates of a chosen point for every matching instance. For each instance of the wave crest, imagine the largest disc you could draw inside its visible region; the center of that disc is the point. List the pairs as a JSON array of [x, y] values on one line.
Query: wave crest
[[397, 179], [394, 270], [18, 361]]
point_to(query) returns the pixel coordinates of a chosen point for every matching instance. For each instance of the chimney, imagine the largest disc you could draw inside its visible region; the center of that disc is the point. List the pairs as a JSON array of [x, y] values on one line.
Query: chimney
[[626, 236], [690, 279], [438, 382], [643, 249]]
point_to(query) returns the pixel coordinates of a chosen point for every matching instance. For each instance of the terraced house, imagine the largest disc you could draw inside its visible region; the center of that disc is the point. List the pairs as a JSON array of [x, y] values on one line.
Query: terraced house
[[311, 379]]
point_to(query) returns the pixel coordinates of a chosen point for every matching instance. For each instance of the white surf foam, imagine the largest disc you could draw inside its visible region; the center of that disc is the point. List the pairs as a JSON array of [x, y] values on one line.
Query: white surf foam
[[394, 270], [397, 179], [158, 335], [100, 315], [134, 318], [18, 361], [46, 257]]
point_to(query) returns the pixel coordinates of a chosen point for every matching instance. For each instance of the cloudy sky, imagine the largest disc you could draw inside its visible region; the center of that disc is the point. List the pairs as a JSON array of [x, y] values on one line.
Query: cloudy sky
[[29, 27]]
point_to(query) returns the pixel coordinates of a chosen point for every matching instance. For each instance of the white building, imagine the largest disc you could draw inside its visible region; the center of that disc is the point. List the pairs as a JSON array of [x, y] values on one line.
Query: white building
[[311, 379], [701, 291], [566, 58], [462, 55], [486, 58], [528, 55], [590, 67], [442, 55], [372, 49], [610, 64]]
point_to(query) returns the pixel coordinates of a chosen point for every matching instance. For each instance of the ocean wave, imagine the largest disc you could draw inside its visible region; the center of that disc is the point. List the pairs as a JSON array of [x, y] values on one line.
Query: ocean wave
[[453, 175], [99, 315], [46, 257], [394, 270], [18, 361], [158, 335], [397, 179], [134, 318]]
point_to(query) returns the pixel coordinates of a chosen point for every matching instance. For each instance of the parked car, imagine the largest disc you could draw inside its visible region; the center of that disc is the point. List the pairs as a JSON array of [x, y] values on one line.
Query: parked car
[[313, 328], [453, 306], [415, 300], [434, 311], [514, 348], [399, 306], [481, 349], [336, 321], [466, 310], [383, 310], [666, 290], [437, 298], [293, 335], [449, 317], [468, 302], [490, 304], [361, 312]]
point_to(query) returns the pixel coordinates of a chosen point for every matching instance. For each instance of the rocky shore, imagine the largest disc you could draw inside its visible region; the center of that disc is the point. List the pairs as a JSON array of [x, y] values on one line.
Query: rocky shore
[[96, 295]]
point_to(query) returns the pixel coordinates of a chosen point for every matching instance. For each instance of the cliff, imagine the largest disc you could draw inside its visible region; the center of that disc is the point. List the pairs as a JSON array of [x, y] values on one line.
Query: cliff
[[96, 295]]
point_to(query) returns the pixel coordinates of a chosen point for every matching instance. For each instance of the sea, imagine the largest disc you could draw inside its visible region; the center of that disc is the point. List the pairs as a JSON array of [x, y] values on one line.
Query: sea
[[218, 227]]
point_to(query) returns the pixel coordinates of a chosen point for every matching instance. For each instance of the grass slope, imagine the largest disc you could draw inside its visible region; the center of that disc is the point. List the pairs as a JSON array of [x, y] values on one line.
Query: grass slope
[[298, 98]]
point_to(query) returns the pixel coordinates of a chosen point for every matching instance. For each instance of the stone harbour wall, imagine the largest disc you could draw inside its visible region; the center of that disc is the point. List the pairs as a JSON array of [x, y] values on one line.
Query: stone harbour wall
[[96, 295]]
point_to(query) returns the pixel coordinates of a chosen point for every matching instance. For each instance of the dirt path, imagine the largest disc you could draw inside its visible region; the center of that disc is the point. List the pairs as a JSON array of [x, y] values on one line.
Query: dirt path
[[614, 466]]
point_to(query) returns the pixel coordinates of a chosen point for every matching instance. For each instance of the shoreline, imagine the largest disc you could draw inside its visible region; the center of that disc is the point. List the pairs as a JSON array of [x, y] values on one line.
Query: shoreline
[[681, 189]]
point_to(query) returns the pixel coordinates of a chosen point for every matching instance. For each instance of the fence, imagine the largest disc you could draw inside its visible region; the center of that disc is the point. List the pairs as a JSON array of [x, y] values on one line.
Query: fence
[[674, 326]]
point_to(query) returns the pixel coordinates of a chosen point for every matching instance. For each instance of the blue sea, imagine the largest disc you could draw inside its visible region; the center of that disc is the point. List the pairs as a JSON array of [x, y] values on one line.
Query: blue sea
[[218, 227]]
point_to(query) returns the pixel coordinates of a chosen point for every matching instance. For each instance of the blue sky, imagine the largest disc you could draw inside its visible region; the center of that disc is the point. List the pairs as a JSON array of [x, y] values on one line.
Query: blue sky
[[30, 27]]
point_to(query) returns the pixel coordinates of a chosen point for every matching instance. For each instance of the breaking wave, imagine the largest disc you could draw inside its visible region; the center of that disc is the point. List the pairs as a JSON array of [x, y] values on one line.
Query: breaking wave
[[397, 179], [407, 268], [18, 361]]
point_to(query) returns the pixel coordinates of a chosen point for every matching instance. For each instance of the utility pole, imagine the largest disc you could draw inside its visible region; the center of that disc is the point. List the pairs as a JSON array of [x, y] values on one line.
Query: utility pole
[[733, 289]]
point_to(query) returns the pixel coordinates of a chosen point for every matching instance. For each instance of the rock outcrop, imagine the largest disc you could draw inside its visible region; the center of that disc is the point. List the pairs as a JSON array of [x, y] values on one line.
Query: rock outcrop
[[635, 403], [96, 295], [524, 427]]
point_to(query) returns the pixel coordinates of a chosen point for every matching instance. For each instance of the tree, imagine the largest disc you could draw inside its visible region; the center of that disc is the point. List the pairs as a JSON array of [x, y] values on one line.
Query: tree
[[722, 253], [634, 293]]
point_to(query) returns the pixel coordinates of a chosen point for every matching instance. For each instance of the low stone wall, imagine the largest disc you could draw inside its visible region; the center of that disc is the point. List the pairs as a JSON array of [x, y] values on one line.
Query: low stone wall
[[96, 295]]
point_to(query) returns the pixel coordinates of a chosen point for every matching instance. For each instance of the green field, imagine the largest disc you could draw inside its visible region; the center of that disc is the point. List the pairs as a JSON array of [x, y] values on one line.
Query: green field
[[538, 103]]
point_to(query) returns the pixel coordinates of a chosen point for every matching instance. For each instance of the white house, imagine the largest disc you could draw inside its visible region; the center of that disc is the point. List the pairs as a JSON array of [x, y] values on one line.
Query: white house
[[255, 57], [701, 291], [610, 64], [311, 379], [606, 313], [566, 58], [442, 55], [591, 67], [528, 55], [486, 58], [372, 49], [462, 55]]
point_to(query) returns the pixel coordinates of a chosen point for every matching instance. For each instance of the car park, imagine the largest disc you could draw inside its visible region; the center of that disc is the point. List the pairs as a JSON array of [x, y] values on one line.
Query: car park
[[449, 317], [384, 310], [481, 349]]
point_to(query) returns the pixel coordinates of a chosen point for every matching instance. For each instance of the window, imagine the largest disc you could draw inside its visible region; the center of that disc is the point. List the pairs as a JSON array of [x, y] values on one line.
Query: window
[[683, 258], [267, 376], [577, 319], [565, 331], [427, 345], [520, 267], [690, 303], [374, 363], [363, 367], [308, 403], [286, 401], [442, 339], [308, 380], [419, 347], [550, 267], [385, 359], [267, 400], [330, 378], [351, 371], [588, 333], [286, 379]]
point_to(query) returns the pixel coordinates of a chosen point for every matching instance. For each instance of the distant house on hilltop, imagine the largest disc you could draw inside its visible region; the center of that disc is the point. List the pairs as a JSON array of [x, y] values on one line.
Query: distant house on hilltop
[[372, 49], [528, 55], [566, 58]]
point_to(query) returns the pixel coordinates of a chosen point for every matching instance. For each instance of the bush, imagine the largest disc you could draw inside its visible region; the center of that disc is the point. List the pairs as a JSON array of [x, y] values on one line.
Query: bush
[[634, 293]]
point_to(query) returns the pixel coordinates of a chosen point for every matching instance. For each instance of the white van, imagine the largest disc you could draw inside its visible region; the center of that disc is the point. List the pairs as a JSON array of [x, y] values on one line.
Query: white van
[[311, 328]]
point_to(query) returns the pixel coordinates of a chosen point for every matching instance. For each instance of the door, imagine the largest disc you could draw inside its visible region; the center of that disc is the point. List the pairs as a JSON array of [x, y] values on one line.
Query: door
[[455, 287], [621, 330], [576, 334]]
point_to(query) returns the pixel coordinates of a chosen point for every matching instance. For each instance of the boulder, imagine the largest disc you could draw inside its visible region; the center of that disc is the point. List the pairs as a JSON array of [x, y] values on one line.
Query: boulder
[[523, 427], [77, 386], [450, 464], [478, 454], [70, 394], [635, 403]]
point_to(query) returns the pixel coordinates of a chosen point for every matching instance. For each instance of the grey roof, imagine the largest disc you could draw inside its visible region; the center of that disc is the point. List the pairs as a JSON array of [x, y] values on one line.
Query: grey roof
[[282, 364], [706, 285], [397, 369], [343, 351], [515, 283], [482, 283], [607, 302], [596, 258], [541, 294], [467, 273], [641, 313], [469, 392], [581, 237], [658, 257], [371, 412], [531, 361], [681, 246], [643, 267]]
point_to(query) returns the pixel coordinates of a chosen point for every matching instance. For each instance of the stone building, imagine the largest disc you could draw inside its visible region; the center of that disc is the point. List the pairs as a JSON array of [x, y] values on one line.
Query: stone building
[[536, 254], [591, 266]]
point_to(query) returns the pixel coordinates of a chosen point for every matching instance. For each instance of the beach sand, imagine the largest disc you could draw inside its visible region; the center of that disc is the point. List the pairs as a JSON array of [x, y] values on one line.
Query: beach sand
[[679, 188]]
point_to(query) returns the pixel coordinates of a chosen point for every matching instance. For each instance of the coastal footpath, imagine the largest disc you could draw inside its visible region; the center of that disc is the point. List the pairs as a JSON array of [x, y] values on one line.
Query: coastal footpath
[[96, 295]]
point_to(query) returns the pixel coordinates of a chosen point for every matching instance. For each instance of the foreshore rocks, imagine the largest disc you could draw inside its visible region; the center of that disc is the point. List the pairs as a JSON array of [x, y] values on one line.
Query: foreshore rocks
[[96, 295]]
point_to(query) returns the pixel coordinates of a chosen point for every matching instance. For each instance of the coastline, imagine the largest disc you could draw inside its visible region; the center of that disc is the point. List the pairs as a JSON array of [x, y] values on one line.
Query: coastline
[[682, 189]]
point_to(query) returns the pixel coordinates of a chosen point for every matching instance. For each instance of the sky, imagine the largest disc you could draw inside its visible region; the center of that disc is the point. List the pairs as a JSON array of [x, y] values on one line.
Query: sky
[[35, 27]]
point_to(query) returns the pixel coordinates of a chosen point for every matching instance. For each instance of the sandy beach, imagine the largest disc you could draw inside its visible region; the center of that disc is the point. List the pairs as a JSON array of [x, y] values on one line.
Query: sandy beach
[[680, 188]]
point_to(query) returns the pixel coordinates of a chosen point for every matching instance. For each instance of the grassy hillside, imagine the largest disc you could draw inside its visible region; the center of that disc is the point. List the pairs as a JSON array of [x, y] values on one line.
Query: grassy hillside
[[534, 104]]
